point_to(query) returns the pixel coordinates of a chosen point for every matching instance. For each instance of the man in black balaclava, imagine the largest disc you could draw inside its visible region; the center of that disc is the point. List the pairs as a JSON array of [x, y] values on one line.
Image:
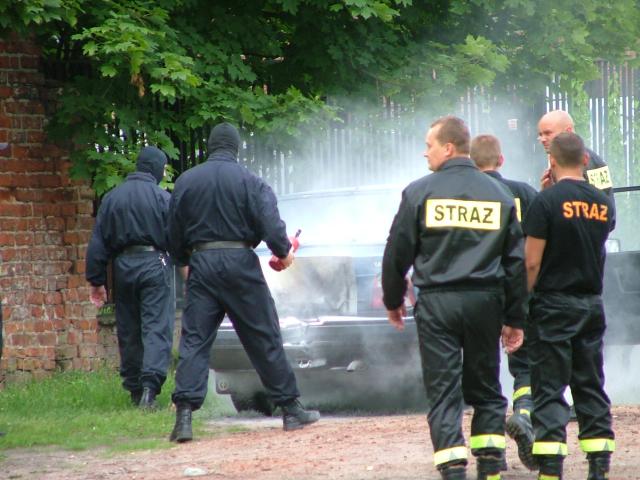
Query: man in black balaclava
[[131, 231], [219, 212]]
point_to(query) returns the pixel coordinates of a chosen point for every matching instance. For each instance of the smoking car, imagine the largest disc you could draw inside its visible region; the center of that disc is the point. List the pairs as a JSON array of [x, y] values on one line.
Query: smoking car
[[333, 322]]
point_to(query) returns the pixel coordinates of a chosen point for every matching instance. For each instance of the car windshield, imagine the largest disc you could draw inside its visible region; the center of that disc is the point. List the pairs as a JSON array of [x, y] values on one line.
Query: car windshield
[[362, 215]]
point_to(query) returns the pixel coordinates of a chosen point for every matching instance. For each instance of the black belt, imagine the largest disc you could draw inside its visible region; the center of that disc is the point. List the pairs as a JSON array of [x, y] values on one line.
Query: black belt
[[198, 247], [138, 249]]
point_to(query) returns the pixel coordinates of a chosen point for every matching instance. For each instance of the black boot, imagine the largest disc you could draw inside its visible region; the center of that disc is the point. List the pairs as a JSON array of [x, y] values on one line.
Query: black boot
[[520, 430], [182, 430], [550, 467], [148, 399], [295, 417], [598, 465], [136, 395], [453, 471], [489, 466]]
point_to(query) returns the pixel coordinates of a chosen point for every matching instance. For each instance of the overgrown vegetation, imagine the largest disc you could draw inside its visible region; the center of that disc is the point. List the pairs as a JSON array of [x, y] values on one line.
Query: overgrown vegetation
[[151, 71], [79, 410]]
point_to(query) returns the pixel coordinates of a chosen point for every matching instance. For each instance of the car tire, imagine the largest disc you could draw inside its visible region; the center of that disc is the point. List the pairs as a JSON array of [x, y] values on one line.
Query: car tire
[[259, 402]]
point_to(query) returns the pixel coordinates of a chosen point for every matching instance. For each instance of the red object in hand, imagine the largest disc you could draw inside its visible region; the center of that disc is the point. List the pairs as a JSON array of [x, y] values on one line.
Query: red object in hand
[[275, 262]]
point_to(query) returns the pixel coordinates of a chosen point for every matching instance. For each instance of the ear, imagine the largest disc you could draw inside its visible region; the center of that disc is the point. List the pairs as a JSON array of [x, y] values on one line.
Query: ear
[[450, 150], [552, 162], [585, 159], [500, 161]]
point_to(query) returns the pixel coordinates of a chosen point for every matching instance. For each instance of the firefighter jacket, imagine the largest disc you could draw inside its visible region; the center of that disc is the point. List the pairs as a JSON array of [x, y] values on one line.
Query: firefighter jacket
[[459, 228], [133, 213], [523, 193]]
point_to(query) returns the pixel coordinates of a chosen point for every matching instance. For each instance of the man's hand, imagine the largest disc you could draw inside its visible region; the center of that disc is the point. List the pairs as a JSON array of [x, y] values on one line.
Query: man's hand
[[512, 339], [547, 179], [396, 317], [288, 260], [98, 295]]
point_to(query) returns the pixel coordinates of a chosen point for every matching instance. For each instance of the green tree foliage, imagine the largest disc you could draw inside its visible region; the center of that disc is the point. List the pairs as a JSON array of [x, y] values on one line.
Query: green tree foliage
[[150, 71]]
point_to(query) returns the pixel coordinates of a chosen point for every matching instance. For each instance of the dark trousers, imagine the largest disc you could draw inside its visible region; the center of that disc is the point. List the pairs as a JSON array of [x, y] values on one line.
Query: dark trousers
[[230, 281], [565, 335], [145, 313], [519, 369], [450, 323]]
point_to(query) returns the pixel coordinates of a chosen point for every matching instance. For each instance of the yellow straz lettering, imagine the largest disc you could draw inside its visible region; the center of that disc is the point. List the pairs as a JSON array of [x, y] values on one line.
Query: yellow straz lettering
[[600, 177], [451, 213], [578, 209]]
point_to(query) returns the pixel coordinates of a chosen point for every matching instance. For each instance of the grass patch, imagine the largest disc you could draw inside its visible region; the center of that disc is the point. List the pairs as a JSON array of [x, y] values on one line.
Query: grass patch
[[79, 410]]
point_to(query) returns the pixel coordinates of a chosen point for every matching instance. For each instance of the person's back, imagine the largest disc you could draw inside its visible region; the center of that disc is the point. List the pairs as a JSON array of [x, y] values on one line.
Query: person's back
[[219, 211], [131, 231], [573, 259]]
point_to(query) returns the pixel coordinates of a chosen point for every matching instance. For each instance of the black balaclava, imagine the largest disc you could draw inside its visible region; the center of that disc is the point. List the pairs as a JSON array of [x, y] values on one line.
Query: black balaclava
[[152, 160], [224, 138]]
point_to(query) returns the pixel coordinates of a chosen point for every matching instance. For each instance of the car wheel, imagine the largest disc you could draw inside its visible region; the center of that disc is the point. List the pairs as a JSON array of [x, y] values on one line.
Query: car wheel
[[259, 402]]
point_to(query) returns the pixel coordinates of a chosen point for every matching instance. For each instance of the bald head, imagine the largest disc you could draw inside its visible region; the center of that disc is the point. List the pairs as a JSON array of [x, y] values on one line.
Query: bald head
[[551, 124]]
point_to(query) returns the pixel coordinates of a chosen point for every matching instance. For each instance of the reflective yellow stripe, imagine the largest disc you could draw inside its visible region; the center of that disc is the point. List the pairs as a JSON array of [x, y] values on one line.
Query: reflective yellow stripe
[[550, 448], [597, 445], [542, 476], [449, 454], [518, 213], [493, 477], [521, 392], [524, 411], [487, 441]]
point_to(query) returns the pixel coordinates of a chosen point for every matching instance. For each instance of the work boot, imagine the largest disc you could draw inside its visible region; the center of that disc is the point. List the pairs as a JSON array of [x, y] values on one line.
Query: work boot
[[182, 429], [598, 465], [453, 471], [148, 399], [136, 395], [295, 417], [550, 467], [520, 430], [489, 466]]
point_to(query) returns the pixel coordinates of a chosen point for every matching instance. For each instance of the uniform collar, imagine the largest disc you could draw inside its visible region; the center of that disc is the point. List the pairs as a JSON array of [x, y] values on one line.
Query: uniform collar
[[146, 176], [493, 174], [458, 162]]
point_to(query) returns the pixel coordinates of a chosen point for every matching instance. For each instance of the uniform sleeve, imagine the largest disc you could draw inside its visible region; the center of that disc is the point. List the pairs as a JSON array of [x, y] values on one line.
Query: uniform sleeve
[[399, 253], [178, 249], [515, 273], [270, 226], [98, 252]]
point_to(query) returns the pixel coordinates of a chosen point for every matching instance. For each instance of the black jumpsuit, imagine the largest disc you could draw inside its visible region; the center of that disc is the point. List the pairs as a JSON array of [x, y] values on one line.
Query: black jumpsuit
[[221, 200], [459, 229], [523, 195], [567, 321], [131, 217]]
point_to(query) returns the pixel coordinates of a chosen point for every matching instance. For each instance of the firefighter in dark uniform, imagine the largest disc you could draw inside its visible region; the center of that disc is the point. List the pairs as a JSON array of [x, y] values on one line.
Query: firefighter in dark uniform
[[566, 227], [131, 230], [219, 211], [459, 229], [596, 171], [487, 155]]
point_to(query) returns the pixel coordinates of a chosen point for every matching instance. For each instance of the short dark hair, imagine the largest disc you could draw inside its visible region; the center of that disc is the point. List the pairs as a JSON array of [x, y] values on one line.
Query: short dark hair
[[485, 151], [568, 149], [453, 130]]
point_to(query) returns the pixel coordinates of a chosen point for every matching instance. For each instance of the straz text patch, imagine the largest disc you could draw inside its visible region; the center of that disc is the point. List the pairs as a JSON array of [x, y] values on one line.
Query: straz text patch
[[600, 177], [452, 213]]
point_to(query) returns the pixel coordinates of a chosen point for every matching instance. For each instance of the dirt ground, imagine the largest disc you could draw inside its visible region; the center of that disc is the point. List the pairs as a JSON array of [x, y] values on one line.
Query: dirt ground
[[338, 447]]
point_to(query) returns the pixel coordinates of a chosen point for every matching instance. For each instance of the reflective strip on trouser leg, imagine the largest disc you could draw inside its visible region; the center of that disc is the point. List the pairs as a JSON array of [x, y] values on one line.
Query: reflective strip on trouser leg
[[521, 392], [593, 445], [488, 441], [550, 448], [544, 476], [497, 476], [449, 455]]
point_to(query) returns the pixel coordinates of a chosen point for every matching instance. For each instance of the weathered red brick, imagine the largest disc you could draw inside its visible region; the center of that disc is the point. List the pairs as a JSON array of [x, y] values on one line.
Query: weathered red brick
[[15, 210], [24, 239]]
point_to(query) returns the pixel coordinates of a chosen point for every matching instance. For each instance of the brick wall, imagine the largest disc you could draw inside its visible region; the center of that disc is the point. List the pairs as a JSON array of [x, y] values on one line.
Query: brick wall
[[45, 224]]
